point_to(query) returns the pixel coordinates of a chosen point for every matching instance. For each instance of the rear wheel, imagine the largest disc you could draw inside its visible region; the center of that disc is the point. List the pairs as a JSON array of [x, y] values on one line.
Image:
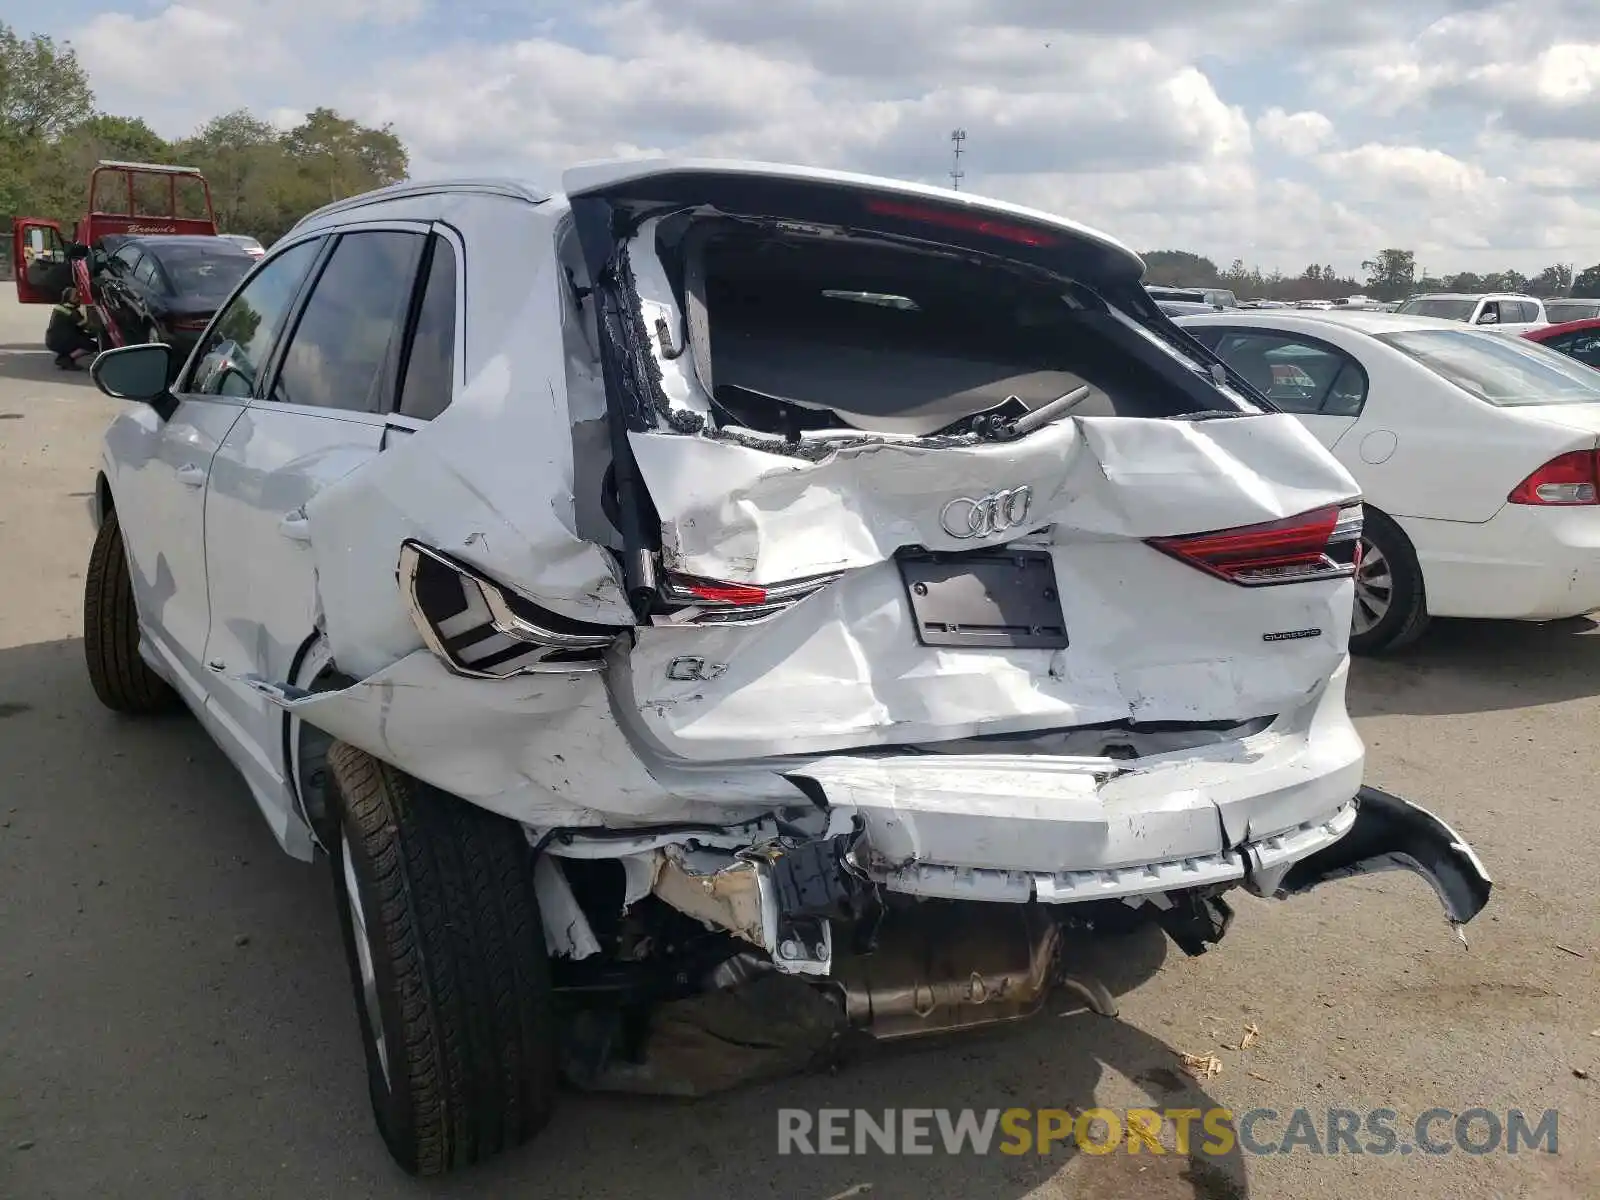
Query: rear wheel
[[447, 958], [122, 680], [1391, 609]]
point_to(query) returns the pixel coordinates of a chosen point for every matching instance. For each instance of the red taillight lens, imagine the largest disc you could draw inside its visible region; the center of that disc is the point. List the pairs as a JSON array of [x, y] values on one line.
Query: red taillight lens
[[1566, 479], [1316, 545], [954, 218], [712, 591]]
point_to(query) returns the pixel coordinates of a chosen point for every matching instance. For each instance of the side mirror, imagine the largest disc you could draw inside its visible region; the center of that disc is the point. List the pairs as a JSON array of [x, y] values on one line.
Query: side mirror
[[1489, 318], [77, 250], [135, 373]]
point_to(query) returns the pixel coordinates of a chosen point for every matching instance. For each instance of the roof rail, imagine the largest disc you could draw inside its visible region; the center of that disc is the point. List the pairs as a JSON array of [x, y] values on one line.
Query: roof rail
[[163, 168], [508, 188]]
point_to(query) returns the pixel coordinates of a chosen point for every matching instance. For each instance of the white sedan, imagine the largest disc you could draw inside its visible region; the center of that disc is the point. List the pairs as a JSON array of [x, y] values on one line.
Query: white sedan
[[1478, 456]]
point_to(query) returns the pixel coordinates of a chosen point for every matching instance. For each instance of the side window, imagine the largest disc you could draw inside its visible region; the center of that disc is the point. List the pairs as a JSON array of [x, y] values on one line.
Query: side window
[[1490, 313], [342, 353], [431, 365], [145, 272], [232, 355], [1209, 337], [1585, 347], [1530, 310], [126, 261], [1298, 376]]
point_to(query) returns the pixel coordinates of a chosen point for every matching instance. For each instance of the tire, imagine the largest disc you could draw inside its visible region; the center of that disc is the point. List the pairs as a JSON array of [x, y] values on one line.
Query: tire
[[1391, 606], [122, 680], [448, 964]]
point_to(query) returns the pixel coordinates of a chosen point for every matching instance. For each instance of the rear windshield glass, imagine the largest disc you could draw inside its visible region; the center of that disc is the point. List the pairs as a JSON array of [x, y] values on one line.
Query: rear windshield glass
[[1449, 310], [809, 333], [1502, 370], [203, 272]]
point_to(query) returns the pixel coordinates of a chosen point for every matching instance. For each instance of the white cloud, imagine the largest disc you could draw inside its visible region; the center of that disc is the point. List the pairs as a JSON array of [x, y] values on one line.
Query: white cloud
[[1300, 133], [1285, 133]]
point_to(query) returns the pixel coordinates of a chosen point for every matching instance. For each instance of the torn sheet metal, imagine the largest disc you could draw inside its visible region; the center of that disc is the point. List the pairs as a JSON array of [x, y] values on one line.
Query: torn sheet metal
[[567, 933], [541, 749], [740, 514], [490, 481]]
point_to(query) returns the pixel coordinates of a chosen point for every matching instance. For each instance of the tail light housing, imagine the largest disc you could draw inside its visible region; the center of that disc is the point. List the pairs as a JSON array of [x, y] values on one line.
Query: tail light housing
[[1321, 544], [483, 630], [698, 601], [1566, 480]]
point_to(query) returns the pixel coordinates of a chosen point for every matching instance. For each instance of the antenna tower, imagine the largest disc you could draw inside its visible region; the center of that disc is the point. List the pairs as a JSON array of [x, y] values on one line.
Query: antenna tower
[[957, 136]]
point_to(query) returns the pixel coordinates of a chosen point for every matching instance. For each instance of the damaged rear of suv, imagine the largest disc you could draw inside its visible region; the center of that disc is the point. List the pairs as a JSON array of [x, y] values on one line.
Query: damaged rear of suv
[[814, 594]]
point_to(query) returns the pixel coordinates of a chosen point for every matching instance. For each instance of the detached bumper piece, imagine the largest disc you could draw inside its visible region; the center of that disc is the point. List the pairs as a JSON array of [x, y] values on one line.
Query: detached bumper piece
[[484, 631], [1391, 834]]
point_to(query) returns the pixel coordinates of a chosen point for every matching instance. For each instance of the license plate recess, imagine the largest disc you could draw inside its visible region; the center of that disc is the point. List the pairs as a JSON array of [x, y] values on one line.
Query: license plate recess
[[993, 599]]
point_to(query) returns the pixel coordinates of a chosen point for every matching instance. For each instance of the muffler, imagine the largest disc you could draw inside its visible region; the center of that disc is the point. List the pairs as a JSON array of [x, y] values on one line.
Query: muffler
[[939, 966]]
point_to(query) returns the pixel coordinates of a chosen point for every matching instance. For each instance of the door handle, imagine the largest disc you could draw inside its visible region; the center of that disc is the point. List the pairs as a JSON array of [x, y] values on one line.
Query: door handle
[[295, 527], [192, 476]]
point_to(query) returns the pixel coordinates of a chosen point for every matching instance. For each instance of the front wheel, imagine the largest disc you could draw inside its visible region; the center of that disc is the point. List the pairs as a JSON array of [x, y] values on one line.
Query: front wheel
[[1391, 609], [447, 957]]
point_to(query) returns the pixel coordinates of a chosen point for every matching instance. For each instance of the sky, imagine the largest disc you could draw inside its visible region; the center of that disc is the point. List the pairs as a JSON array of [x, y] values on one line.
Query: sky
[[1282, 132]]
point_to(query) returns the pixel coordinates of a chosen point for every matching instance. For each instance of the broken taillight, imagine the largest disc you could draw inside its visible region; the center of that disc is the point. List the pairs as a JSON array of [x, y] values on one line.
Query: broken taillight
[[1322, 544], [714, 601]]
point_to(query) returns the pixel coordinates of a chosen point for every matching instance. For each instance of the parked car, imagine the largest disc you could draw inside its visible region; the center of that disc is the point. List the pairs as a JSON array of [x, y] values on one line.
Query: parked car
[[693, 582], [1475, 452], [248, 244], [1575, 339], [166, 288], [1502, 310], [1219, 297], [1559, 312], [1314, 305]]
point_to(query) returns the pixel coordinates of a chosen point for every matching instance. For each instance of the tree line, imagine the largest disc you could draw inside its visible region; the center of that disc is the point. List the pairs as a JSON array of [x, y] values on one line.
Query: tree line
[[262, 179], [1389, 275]]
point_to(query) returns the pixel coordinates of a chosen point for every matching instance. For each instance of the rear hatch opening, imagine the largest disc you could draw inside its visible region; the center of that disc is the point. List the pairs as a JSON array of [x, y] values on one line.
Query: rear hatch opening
[[793, 331]]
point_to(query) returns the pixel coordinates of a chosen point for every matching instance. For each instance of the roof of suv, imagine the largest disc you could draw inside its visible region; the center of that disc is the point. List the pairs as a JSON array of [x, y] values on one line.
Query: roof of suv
[[605, 174], [1471, 296]]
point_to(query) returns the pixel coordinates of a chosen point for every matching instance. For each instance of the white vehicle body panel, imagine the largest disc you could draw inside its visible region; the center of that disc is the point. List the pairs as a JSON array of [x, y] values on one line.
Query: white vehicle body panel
[[1442, 463], [1191, 731]]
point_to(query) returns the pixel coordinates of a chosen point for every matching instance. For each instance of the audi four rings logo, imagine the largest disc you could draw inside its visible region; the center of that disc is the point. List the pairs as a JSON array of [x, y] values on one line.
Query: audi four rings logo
[[966, 517]]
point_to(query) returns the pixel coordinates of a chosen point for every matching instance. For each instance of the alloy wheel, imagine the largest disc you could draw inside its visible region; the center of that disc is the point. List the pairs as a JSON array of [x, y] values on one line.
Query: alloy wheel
[[1374, 588]]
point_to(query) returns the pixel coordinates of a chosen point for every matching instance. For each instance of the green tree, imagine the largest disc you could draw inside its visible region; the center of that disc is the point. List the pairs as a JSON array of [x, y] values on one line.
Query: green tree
[[1180, 268], [1554, 280], [44, 90], [1392, 274], [1586, 285]]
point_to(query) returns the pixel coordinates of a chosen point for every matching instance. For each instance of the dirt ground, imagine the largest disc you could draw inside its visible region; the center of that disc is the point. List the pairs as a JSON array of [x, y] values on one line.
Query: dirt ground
[[175, 1019]]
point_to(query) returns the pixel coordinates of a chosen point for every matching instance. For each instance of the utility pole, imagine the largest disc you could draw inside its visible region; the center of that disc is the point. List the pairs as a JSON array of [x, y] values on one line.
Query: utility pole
[[957, 136]]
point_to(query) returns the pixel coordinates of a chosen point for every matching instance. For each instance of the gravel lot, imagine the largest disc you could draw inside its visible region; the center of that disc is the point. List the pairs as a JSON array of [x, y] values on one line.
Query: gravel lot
[[175, 1019]]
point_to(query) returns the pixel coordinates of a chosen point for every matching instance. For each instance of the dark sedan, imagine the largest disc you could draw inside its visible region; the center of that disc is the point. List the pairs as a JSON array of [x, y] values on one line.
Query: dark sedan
[[164, 289]]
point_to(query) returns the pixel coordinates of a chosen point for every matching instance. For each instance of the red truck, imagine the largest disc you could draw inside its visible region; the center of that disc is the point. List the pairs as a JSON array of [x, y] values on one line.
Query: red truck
[[126, 200]]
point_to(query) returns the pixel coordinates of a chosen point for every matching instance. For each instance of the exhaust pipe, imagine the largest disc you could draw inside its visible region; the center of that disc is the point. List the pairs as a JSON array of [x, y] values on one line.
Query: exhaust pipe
[[946, 965]]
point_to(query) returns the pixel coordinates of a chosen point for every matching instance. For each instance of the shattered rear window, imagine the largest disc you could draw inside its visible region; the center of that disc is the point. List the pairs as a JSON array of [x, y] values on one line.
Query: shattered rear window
[[808, 333]]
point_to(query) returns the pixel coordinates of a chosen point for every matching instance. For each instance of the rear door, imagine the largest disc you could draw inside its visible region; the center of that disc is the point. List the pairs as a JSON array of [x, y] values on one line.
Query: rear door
[[322, 412], [39, 260]]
